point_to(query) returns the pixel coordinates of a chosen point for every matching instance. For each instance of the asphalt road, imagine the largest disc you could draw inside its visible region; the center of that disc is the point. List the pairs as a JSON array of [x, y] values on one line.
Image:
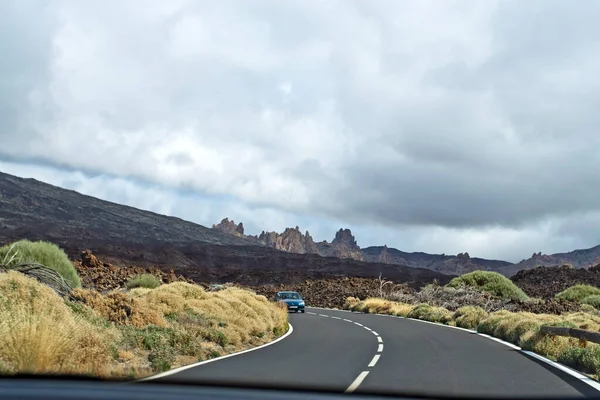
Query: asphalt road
[[368, 353]]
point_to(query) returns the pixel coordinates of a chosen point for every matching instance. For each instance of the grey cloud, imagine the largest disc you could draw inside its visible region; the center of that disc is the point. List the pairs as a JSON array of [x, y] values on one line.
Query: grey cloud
[[480, 115]]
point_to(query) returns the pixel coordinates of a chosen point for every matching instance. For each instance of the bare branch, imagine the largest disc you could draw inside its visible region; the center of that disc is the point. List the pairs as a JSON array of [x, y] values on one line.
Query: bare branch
[[43, 274]]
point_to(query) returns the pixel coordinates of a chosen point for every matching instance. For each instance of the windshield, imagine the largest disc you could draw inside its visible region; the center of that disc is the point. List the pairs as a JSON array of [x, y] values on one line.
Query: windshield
[[289, 296], [390, 196]]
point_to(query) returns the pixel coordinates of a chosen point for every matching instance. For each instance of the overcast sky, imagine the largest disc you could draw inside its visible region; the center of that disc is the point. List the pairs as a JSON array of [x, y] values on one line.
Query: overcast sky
[[437, 126]]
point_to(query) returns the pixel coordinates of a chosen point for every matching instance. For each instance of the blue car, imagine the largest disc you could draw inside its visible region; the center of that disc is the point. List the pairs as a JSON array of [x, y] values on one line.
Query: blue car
[[293, 300]]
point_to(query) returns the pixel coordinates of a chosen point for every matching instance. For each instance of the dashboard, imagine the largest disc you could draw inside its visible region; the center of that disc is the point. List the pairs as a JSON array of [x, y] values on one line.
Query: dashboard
[[66, 389]]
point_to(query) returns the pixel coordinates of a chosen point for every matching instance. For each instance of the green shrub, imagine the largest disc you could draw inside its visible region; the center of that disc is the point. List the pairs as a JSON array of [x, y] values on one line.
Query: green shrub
[[578, 292], [429, 313], [41, 252], [491, 282], [161, 358], [583, 359], [215, 336], [515, 333], [144, 281], [490, 324], [469, 316], [593, 300], [588, 309]]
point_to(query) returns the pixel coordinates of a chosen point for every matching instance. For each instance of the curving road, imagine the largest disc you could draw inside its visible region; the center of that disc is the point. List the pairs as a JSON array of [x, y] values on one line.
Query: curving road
[[344, 351]]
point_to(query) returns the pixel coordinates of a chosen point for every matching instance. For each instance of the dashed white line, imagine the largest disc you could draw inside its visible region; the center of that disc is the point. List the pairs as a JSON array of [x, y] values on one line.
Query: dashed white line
[[374, 360], [361, 377], [312, 313]]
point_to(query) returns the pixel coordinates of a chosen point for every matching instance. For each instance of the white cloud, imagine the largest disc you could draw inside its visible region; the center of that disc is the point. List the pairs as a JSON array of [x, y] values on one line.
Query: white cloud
[[465, 124]]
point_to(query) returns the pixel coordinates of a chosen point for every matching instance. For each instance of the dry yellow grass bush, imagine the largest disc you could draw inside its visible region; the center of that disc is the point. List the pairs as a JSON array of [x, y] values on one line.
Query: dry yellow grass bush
[[40, 334], [127, 334], [239, 314], [469, 317], [378, 306], [120, 308]]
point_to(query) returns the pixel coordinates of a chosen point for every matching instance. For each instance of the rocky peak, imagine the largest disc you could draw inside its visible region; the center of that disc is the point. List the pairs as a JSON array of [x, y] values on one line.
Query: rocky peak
[[291, 240], [229, 227], [344, 245], [294, 241], [344, 237]]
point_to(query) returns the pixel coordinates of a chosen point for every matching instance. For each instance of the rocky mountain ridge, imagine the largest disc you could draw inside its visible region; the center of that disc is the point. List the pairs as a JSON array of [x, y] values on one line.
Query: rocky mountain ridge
[[344, 245], [292, 240]]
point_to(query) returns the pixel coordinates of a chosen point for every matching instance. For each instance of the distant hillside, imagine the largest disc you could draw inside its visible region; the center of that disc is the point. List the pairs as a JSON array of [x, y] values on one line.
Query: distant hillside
[[582, 258], [127, 236], [37, 210], [344, 245], [454, 265]]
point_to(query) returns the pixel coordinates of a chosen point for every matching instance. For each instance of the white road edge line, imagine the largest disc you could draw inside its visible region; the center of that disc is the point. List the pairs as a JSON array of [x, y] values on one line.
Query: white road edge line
[[565, 369], [177, 370], [374, 360], [379, 339], [495, 339], [361, 377], [380, 348]]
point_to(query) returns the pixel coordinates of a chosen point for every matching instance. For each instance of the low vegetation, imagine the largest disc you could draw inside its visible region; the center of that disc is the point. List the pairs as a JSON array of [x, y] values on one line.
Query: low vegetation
[[593, 300], [451, 298], [578, 293], [47, 254], [127, 334], [147, 281], [469, 317], [491, 282], [40, 333]]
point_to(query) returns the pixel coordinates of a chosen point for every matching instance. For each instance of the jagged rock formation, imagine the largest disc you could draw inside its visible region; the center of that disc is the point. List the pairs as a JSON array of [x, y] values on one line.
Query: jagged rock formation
[[344, 246], [293, 240], [229, 227]]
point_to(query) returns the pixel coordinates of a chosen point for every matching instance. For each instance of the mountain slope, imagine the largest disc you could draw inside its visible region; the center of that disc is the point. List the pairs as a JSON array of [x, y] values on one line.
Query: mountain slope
[[581, 258], [456, 265], [127, 236], [37, 210]]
